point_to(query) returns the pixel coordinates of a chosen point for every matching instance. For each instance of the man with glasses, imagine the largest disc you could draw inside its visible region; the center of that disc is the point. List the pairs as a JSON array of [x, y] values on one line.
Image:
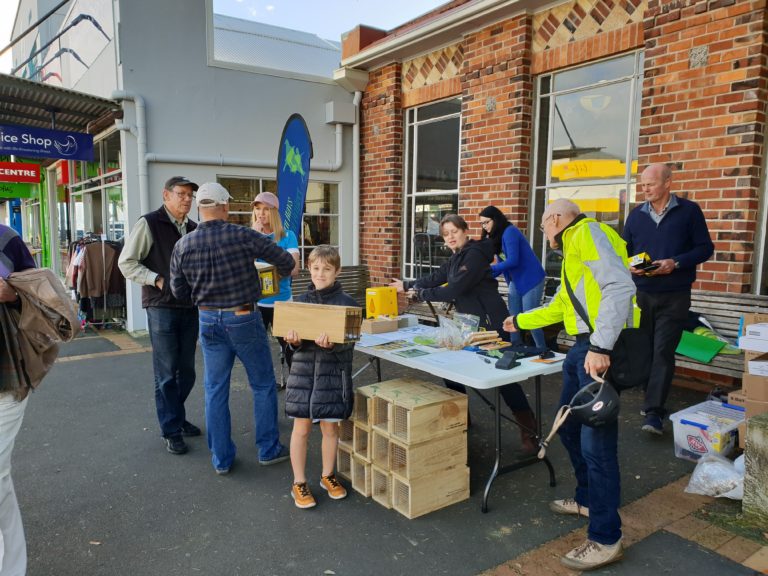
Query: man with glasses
[[594, 303], [172, 322]]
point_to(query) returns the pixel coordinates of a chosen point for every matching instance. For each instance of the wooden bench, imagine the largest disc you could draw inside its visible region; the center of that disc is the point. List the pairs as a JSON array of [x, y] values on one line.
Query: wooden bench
[[723, 310], [354, 280]]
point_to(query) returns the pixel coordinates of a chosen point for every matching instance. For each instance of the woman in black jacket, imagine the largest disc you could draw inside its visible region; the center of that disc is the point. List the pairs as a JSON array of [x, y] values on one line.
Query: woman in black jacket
[[466, 280]]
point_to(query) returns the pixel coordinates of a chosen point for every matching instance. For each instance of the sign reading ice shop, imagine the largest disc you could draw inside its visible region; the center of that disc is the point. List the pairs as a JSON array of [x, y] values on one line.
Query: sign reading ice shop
[[38, 143]]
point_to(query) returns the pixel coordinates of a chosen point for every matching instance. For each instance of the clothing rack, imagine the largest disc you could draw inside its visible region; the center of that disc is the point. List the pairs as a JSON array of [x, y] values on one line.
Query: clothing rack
[[99, 306]]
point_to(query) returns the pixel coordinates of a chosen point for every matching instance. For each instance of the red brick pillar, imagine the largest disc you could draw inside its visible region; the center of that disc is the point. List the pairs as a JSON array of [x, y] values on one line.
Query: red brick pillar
[[703, 110], [496, 135], [381, 174]]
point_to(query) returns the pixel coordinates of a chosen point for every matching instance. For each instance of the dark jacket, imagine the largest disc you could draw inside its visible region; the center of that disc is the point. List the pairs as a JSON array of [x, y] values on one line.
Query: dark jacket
[[681, 235], [320, 383], [470, 285], [164, 238]]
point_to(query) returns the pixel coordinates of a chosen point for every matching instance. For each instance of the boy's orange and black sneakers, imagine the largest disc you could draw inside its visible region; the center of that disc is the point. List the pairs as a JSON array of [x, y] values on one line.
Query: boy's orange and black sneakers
[[302, 497], [334, 488]]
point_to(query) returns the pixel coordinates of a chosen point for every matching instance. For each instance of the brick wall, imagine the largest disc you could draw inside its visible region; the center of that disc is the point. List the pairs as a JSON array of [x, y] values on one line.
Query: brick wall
[[381, 174], [496, 146], [703, 110]]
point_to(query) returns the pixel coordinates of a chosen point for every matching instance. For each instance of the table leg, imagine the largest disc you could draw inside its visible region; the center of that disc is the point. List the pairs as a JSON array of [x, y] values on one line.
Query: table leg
[[497, 439], [371, 361], [539, 433]]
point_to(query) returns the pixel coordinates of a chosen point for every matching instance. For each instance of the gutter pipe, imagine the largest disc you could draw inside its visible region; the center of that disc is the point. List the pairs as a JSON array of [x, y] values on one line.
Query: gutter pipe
[[141, 142]]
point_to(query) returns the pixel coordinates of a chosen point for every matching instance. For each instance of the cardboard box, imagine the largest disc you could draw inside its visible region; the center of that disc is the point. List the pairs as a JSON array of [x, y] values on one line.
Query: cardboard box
[[340, 323], [749, 355], [407, 320], [737, 398], [755, 407], [756, 364], [378, 325], [754, 344], [748, 320], [755, 387], [268, 279], [759, 330], [742, 433]]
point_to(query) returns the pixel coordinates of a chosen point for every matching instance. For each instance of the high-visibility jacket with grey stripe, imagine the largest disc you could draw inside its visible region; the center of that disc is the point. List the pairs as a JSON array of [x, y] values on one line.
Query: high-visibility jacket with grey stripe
[[595, 263]]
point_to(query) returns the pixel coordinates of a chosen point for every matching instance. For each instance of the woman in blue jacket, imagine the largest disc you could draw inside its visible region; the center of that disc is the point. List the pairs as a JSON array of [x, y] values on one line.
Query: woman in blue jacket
[[521, 268]]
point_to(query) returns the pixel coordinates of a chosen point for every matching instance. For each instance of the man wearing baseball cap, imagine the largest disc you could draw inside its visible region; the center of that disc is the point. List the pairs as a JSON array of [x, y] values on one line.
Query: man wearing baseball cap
[[172, 322], [214, 267]]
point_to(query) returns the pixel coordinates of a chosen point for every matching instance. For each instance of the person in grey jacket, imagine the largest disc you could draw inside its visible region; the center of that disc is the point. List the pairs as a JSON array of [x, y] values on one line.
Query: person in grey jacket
[[319, 386]]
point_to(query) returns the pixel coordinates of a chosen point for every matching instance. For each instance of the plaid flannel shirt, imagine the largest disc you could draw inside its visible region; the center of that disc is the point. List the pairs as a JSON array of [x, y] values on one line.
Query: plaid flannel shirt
[[214, 265]]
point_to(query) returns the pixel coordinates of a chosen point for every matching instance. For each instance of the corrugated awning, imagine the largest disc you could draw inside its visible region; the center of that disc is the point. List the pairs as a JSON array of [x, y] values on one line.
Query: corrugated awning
[[27, 103]]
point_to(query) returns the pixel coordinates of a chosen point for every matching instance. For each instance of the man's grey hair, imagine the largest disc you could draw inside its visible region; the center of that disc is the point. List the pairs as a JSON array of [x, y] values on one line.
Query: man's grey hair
[[566, 208]]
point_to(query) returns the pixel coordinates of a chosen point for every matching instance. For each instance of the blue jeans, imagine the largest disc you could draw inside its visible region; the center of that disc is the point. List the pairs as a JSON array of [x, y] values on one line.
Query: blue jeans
[[224, 335], [594, 456], [518, 303], [173, 333]]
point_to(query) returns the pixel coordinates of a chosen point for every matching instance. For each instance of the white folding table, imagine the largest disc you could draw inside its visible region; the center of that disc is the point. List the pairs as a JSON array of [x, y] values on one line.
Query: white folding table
[[479, 373]]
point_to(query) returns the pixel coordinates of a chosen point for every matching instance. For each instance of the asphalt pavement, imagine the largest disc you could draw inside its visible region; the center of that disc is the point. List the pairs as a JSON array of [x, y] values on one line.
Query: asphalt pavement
[[101, 496]]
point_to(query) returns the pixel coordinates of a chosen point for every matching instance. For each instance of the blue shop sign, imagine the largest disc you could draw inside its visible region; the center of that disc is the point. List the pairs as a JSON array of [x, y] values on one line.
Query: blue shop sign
[[38, 143]]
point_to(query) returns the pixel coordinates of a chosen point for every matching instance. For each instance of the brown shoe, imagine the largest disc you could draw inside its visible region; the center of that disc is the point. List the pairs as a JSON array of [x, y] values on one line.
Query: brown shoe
[[302, 497], [527, 424], [334, 488], [591, 555]]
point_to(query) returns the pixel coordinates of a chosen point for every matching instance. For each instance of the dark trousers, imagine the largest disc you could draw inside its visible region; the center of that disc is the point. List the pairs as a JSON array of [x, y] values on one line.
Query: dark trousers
[[663, 316], [268, 315], [173, 333], [594, 455], [513, 395]]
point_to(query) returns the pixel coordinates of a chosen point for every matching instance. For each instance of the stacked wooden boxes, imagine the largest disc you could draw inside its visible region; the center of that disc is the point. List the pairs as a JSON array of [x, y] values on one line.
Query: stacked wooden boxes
[[754, 392], [415, 455]]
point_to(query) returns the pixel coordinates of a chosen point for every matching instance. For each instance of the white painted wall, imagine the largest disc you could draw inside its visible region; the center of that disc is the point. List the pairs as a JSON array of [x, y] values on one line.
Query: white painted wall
[[194, 109]]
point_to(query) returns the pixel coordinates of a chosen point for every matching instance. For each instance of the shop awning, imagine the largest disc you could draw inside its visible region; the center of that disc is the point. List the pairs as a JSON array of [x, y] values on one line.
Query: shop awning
[[27, 103]]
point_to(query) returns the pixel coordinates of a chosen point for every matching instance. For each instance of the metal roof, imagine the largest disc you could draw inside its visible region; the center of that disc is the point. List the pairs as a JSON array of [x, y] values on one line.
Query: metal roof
[[265, 46], [27, 103]]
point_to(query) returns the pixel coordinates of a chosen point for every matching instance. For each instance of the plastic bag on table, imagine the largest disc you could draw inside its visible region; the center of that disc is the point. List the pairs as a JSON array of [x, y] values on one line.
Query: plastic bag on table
[[717, 476], [453, 331]]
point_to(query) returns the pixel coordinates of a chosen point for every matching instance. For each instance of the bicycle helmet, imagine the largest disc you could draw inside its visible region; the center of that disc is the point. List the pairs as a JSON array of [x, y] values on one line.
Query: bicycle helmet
[[595, 405]]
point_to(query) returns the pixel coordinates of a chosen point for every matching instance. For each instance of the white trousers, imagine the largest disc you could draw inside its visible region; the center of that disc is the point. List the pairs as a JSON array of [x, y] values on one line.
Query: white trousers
[[13, 546]]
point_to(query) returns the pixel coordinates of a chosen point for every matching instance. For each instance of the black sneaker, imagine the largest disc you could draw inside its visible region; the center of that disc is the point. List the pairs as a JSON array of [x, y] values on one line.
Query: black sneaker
[[189, 429], [176, 445], [282, 456]]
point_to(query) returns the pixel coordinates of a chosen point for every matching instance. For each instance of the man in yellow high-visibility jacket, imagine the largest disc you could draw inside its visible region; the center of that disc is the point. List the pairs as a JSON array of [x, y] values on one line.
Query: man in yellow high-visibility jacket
[[595, 266]]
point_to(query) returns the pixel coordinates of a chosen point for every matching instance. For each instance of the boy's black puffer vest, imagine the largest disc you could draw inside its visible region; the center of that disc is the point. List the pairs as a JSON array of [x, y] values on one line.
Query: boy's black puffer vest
[[164, 238], [320, 383]]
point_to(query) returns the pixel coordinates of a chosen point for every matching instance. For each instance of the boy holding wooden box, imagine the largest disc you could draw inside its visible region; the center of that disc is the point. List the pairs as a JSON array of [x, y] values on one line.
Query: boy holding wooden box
[[319, 385]]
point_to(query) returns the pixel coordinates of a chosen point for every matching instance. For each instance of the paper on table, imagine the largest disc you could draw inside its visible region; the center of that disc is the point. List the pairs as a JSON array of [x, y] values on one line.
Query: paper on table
[[446, 358], [368, 340]]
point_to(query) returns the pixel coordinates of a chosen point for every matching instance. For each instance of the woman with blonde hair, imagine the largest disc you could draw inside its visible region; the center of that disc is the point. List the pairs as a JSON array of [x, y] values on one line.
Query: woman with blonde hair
[[266, 219]]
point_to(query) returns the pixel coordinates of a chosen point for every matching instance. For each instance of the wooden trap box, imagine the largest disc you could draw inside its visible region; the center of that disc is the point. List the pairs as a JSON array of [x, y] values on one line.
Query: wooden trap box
[[379, 406], [411, 461], [344, 462], [380, 449], [421, 410], [361, 412], [361, 441], [346, 428], [340, 323], [419, 496], [361, 476], [381, 486]]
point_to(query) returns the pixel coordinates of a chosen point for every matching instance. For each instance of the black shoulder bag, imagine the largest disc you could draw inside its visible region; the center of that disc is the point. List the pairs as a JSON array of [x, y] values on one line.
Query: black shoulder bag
[[631, 354]]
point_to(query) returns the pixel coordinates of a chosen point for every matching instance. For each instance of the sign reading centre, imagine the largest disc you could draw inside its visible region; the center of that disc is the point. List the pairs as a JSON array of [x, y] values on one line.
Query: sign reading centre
[[39, 143], [18, 172]]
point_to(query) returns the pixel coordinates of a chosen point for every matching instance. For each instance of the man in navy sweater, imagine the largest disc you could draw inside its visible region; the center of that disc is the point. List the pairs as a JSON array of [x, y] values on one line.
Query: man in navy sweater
[[673, 232]]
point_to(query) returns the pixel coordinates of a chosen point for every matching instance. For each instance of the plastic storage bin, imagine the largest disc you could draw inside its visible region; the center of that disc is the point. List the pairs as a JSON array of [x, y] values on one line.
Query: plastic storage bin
[[709, 427]]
